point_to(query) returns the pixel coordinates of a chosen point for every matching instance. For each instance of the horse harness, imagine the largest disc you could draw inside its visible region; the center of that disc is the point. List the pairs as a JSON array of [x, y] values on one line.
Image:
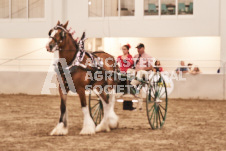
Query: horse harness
[[76, 64]]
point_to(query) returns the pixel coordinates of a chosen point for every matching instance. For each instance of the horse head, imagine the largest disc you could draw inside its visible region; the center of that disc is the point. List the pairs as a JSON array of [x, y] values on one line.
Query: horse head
[[58, 37], [61, 39]]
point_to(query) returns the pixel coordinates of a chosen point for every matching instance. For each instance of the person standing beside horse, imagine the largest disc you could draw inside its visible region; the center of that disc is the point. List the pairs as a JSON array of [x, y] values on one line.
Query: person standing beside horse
[[125, 60]]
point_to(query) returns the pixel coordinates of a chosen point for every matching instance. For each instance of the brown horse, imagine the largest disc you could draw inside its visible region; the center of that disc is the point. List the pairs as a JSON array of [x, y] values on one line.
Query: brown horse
[[64, 42]]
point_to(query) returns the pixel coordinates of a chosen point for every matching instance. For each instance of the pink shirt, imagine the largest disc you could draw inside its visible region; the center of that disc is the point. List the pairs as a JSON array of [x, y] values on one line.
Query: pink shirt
[[145, 61]]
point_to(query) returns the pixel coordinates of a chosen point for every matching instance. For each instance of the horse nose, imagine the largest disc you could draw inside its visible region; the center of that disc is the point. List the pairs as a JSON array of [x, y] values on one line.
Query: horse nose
[[47, 47], [50, 47]]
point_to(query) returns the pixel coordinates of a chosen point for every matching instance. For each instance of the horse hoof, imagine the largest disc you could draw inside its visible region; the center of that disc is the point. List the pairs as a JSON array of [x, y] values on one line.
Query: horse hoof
[[87, 131], [104, 128], [113, 122], [114, 125], [59, 130]]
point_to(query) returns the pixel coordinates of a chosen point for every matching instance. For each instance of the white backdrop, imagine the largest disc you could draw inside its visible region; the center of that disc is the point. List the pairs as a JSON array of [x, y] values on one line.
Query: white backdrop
[[168, 50]]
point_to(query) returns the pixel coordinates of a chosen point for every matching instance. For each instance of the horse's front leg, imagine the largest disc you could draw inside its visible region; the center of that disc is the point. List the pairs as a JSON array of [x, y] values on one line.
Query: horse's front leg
[[62, 126], [88, 124]]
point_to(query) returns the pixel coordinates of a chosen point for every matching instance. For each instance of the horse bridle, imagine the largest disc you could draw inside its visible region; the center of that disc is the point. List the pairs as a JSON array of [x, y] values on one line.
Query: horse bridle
[[62, 36]]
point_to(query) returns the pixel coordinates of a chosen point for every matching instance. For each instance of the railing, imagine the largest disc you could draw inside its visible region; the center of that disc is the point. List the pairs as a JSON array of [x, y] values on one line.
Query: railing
[[25, 64], [206, 66], [36, 64]]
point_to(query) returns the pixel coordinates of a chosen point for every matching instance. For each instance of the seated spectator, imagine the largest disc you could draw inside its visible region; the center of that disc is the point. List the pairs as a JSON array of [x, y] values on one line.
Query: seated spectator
[[125, 60], [182, 68], [189, 66], [142, 65], [195, 70], [158, 67]]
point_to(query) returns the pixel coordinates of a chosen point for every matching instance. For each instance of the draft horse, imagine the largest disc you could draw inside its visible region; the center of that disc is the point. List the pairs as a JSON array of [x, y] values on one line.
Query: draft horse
[[63, 41]]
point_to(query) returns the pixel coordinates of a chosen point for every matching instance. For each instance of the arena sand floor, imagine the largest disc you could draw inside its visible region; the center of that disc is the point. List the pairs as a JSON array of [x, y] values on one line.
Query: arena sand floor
[[26, 121]]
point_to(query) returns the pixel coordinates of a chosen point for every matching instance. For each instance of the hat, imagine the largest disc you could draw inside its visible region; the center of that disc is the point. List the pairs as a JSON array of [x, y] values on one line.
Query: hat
[[140, 45]]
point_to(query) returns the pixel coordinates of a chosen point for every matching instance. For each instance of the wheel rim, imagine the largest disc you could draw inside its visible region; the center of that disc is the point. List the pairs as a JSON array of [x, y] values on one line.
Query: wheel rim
[[95, 108], [156, 101]]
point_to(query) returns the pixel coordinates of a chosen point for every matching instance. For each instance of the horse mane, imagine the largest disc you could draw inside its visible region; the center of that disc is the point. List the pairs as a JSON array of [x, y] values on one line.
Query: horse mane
[[74, 42]]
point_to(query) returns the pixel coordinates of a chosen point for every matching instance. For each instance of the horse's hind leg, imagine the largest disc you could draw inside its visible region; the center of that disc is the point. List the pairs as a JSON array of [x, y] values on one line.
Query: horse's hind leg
[[88, 124], [110, 119], [113, 118], [61, 128]]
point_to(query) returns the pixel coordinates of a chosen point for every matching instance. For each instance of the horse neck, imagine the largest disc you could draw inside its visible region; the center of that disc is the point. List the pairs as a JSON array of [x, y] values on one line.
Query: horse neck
[[68, 51]]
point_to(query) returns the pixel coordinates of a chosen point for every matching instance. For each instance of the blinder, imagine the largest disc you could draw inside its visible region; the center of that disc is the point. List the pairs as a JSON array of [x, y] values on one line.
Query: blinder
[[50, 32], [62, 35], [50, 35]]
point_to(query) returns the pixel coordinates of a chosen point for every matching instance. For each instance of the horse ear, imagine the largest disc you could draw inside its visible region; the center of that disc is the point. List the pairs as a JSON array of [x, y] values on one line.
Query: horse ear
[[65, 25], [58, 23]]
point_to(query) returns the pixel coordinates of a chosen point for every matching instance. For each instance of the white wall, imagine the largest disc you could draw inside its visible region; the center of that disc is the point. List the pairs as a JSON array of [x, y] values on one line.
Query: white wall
[[200, 86], [11, 48], [223, 30], [205, 22], [168, 50], [28, 49], [195, 87]]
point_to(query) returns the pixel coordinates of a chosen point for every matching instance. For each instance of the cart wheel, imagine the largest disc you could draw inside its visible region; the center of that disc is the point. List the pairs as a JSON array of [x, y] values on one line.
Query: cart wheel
[[156, 101], [95, 108]]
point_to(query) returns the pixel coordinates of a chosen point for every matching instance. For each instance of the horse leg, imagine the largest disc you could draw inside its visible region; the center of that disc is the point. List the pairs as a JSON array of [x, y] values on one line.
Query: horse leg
[[110, 119], [61, 128], [103, 126], [113, 118], [88, 124]]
